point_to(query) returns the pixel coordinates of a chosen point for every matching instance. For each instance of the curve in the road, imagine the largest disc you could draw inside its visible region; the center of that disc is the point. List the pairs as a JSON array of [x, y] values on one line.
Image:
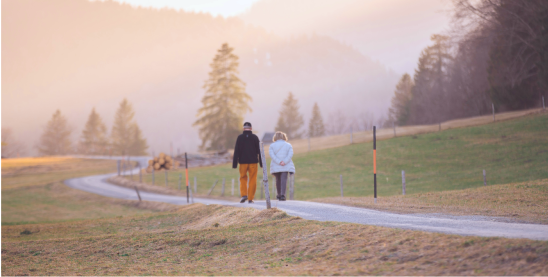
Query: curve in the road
[[461, 225]]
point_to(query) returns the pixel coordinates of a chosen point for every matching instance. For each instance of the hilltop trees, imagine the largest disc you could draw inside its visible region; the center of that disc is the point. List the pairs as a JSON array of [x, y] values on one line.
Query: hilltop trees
[[94, 139], [56, 137], [316, 127], [225, 102], [429, 101], [290, 120], [399, 110], [126, 136], [497, 54]]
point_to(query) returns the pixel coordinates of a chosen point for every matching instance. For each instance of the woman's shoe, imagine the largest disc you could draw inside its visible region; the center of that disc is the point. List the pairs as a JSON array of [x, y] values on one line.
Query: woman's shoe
[[278, 197], [243, 199], [282, 198]]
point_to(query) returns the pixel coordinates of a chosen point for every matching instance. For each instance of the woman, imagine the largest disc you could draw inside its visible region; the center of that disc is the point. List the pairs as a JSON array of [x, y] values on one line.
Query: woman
[[281, 165]]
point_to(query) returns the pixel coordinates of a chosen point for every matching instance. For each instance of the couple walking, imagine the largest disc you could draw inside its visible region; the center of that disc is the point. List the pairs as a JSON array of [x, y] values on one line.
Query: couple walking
[[248, 155]]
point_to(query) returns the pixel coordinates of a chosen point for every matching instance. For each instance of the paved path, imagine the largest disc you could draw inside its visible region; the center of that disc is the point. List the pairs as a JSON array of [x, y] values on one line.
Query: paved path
[[461, 225]]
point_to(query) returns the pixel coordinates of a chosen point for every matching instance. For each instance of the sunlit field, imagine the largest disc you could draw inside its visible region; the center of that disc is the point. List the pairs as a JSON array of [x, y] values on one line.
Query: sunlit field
[[510, 151], [33, 191]]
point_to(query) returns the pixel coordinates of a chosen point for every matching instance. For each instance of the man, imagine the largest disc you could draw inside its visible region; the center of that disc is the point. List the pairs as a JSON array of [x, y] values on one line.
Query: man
[[247, 154]]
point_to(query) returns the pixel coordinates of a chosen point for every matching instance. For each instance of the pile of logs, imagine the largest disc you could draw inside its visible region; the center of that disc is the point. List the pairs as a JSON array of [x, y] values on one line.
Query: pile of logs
[[162, 162]]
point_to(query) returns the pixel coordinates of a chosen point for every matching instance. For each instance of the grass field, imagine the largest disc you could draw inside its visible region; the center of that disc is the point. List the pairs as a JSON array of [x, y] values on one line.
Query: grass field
[[32, 192], [510, 151], [527, 201], [216, 240]]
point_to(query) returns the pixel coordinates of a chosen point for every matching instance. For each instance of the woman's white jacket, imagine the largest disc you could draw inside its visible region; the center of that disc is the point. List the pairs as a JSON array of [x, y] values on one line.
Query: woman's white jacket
[[280, 151]]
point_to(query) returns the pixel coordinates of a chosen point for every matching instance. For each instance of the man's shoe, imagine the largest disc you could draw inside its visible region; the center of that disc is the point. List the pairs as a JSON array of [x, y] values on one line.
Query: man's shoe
[[250, 202], [282, 198], [243, 199]]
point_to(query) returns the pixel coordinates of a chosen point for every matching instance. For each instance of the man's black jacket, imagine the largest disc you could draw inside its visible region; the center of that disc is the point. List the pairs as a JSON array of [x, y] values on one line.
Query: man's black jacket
[[247, 150]]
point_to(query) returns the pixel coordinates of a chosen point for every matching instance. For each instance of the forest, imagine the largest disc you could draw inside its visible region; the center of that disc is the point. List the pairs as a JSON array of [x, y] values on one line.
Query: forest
[[494, 57]]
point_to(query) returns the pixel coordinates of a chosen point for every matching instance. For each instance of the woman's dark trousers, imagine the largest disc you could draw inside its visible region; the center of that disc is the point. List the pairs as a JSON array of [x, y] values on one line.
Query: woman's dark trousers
[[281, 182]]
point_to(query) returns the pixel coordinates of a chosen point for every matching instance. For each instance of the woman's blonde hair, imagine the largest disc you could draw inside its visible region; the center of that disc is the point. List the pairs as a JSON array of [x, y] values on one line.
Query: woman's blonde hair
[[279, 135]]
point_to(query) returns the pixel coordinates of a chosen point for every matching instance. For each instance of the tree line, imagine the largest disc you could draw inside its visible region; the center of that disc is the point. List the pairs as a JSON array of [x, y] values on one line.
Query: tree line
[[125, 138], [496, 54], [220, 119]]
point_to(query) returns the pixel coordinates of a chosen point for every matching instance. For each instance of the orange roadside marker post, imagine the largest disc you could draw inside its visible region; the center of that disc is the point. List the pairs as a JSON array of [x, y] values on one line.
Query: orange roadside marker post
[[375, 161], [186, 175]]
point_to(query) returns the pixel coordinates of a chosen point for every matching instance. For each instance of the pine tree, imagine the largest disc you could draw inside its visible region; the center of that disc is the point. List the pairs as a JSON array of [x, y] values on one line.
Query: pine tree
[[139, 144], [290, 120], [126, 136], [315, 126], [399, 111], [430, 102], [94, 136], [224, 103], [56, 137]]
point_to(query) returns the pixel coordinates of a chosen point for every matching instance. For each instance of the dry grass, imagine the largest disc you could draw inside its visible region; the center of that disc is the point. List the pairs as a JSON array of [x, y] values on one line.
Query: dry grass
[[33, 191], [23, 172], [527, 201], [319, 143], [216, 240], [127, 182]]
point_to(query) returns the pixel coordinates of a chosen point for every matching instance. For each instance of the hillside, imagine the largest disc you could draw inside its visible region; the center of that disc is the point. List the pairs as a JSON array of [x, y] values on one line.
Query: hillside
[[510, 151], [58, 53]]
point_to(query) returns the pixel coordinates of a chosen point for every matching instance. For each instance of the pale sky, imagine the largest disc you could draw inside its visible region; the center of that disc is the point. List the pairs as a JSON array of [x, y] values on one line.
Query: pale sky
[[214, 7]]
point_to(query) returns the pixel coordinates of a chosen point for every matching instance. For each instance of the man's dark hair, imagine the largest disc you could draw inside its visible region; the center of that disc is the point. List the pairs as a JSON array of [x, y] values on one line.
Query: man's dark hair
[[247, 124]]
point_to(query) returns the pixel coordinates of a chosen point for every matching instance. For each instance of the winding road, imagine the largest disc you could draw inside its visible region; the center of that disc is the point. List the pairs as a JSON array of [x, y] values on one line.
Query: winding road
[[459, 225]]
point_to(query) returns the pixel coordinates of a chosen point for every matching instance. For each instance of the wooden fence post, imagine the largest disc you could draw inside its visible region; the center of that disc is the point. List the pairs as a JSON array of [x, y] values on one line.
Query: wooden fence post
[[180, 180], [153, 176], [341, 179], [212, 187], [543, 106], [403, 182], [274, 191], [484, 178], [191, 195], [223, 188], [186, 179], [265, 177], [493, 105], [118, 163], [166, 176], [138, 195], [291, 186], [195, 185], [140, 174]]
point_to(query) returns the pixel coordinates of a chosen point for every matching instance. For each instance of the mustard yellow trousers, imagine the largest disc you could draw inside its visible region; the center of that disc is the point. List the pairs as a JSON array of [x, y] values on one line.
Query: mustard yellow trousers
[[244, 189]]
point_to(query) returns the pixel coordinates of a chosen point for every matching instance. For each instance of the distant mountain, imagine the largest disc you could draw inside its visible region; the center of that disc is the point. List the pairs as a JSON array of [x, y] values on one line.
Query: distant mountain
[[391, 31], [75, 55]]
